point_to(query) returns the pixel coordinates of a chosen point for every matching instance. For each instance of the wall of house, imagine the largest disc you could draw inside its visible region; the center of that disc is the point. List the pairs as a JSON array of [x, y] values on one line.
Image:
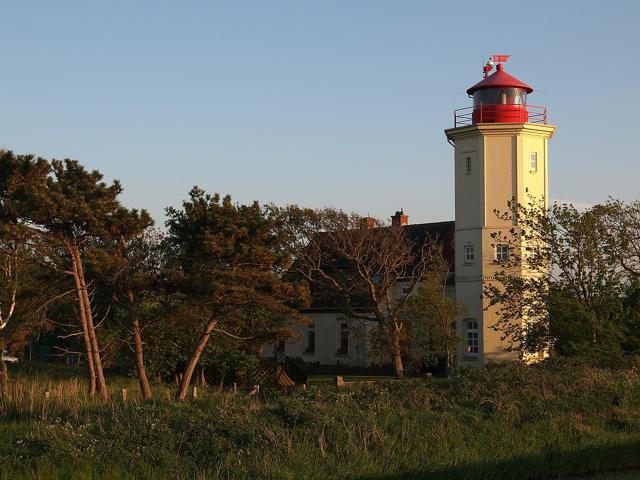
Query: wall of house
[[327, 327], [361, 351]]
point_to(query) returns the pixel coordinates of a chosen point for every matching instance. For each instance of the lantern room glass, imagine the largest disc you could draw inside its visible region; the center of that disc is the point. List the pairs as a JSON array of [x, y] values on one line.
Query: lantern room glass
[[500, 96]]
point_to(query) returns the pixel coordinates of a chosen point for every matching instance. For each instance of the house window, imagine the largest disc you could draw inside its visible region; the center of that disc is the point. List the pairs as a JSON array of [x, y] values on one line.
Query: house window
[[344, 338], [469, 254], [502, 253], [468, 166], [311, 338], [473, 341], [534, 162]]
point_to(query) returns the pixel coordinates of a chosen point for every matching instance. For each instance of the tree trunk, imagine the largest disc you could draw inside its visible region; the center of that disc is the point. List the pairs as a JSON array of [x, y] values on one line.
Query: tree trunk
[[398, 366], [145, 387], [397, 356], [91, 329], [85, 329], [4, 375], [221, 384], [395, 331], [181, 394]]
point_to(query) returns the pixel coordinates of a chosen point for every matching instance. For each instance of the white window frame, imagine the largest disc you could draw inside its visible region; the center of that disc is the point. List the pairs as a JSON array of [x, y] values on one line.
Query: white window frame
[[502, 253], [468, 166], [469, 253], [473, 336], [533, 162]]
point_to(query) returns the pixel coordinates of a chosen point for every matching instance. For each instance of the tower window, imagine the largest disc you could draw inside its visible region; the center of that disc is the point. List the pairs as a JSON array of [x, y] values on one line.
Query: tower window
[[534, 162], [468, 166], [502, 253], [473, 337], [469, 254]]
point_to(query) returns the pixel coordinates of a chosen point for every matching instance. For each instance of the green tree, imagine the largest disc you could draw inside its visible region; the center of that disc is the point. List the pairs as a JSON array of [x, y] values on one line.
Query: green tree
[[631, 303], [431, 314], [19, 286], [72, 214], [229, 262], [130, 260], [562, 287]]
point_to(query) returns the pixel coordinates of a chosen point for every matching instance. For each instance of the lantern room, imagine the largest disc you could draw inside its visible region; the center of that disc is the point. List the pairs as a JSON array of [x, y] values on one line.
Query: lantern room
[[499, 98]]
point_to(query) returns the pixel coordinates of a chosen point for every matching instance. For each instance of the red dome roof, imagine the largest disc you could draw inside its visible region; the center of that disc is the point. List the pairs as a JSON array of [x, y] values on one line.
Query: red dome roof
[[499, 79]]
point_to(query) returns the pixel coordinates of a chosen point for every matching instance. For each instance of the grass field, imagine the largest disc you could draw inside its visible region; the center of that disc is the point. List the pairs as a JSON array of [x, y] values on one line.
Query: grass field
[[330, 379], [503, 422]]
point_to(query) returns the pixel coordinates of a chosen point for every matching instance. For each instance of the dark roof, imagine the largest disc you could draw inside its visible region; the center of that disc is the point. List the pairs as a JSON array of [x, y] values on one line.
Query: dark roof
[[325, 300], [443, 232]]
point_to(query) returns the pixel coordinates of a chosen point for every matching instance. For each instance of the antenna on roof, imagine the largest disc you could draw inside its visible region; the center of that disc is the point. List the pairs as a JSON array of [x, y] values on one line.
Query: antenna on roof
[[493, 59]]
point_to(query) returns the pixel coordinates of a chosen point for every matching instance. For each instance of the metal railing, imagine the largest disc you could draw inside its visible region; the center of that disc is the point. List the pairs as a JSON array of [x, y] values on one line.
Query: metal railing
[[465, 116]]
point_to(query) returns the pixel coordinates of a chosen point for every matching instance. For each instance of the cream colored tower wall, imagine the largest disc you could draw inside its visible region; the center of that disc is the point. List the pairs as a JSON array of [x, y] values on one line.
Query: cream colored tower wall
[[492, 166]]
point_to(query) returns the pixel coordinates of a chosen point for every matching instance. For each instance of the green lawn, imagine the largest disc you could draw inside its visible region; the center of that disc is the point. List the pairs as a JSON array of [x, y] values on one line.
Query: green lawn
[[614, 476], [320, 379], [503, 422]]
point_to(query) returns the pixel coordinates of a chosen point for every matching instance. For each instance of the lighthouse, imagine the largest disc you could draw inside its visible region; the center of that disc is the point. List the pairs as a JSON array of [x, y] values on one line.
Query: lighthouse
[[501, 155]]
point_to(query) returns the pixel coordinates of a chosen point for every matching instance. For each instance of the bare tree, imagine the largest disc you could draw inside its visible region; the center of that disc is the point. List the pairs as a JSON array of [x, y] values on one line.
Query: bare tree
[[10, 262], [9, 265], [374, 266], [623, 222]]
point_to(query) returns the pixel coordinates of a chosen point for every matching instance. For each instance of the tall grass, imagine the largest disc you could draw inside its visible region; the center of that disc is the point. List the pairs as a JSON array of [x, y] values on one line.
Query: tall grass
[[508, 421]]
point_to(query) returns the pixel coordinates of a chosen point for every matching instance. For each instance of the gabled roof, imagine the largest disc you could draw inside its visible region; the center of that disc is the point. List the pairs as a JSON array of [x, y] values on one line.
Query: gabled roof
[[443, 232], [324, 298]]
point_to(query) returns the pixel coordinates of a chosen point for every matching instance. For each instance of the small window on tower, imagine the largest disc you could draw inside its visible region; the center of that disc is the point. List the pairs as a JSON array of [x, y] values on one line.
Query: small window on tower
[[534, 162], [469, 254], [473, 337], [502, 253], [468, 166]]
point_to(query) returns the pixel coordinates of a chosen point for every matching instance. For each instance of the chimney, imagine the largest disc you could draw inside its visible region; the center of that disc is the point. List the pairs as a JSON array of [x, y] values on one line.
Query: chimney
[[399, 219], [367, 222]]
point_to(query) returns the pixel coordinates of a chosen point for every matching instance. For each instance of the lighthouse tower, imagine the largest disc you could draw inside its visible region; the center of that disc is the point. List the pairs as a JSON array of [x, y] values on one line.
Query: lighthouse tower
[[501, 153]]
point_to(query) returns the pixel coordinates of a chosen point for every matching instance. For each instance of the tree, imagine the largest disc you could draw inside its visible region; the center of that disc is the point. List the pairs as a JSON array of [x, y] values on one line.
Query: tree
[[130, 260], [373, 266], [12, 252], [228, 262], [623, 222], [72, 214], [18, 320], [560, 282], [431, 314]]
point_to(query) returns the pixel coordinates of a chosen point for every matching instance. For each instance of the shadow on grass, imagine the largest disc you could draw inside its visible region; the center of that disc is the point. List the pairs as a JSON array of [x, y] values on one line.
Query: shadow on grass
[[552, 464], [54, 371], [61, 370]]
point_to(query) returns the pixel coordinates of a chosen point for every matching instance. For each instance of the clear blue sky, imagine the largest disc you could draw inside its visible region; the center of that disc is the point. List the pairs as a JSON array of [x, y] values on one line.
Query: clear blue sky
[[338, 103]]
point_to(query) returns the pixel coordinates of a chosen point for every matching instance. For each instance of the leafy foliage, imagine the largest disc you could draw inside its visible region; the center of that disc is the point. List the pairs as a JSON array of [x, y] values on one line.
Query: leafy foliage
[[564, 285]]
